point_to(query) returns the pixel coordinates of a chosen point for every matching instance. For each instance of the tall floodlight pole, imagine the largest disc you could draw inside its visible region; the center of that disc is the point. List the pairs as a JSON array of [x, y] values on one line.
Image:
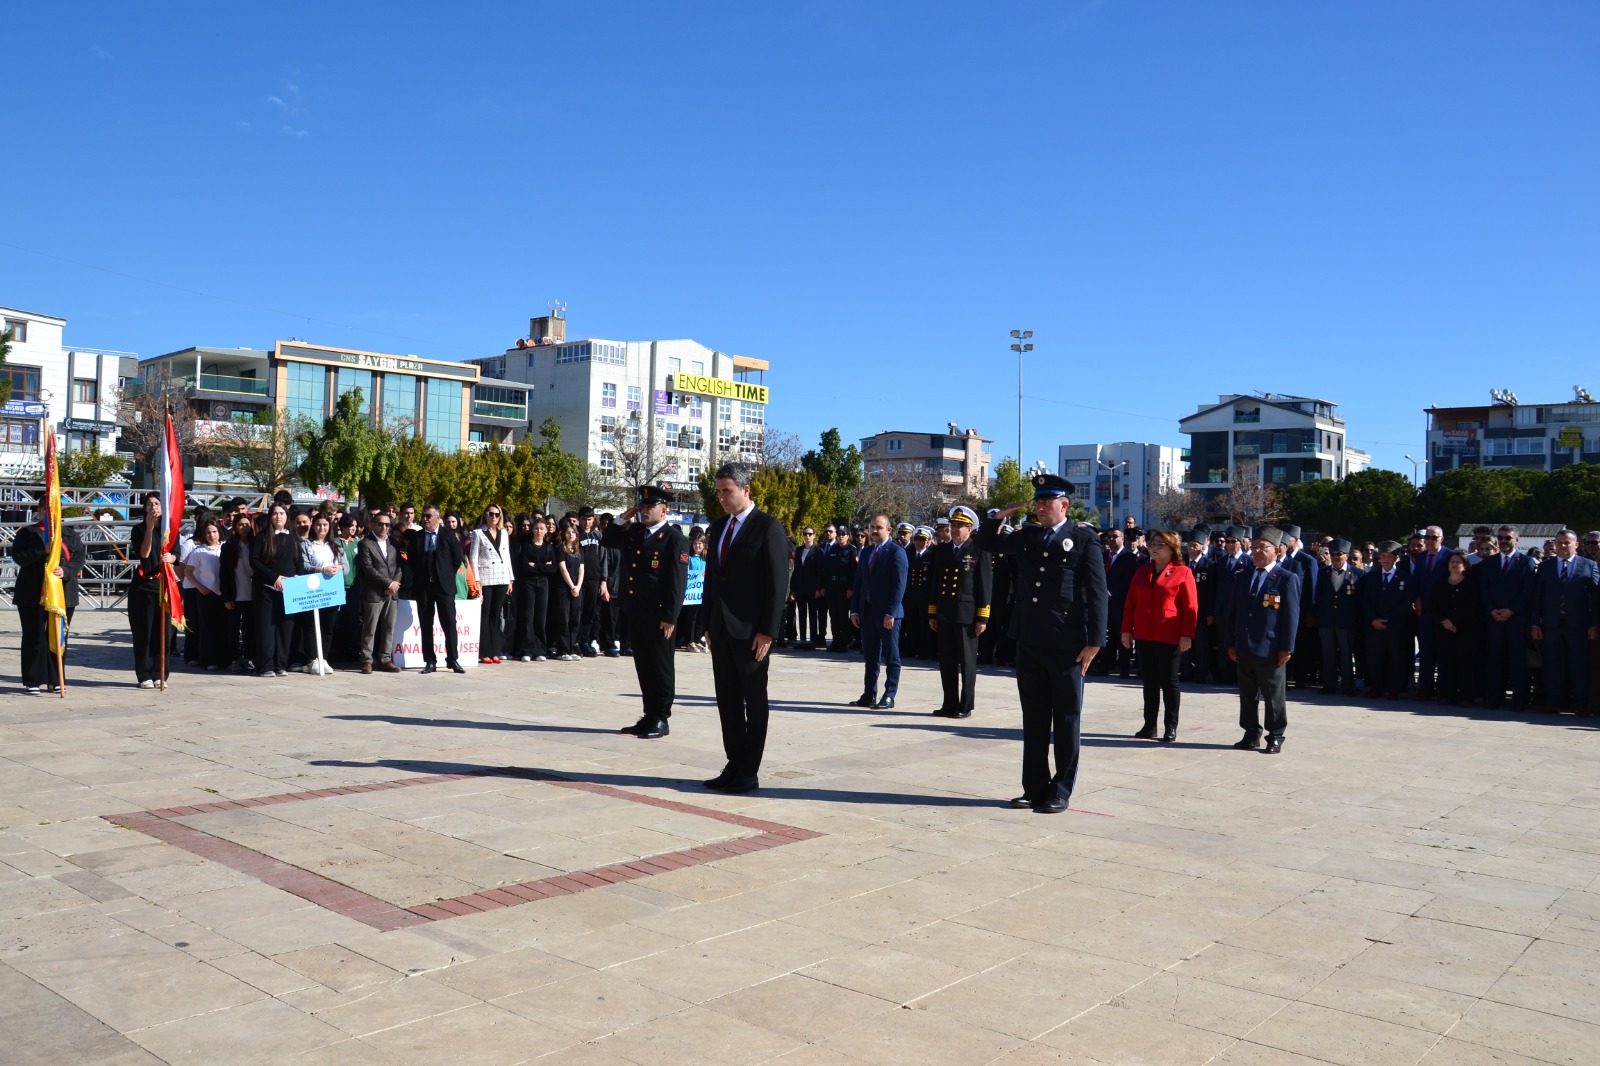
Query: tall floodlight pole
[[1415, 465], [1019, 336]]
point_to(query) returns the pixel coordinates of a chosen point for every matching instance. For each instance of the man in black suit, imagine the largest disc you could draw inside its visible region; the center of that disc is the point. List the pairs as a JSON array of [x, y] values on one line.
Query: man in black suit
[[877, 611], [1507, 584], [1121, 562], [747, 555], [434, 555], [1060, 625], [655, 562], [1197, 663], [1299, 560], [1386, 593]]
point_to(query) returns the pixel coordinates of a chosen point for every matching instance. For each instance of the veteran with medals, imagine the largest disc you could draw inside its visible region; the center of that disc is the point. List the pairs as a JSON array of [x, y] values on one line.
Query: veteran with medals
[[1261, 635], [655, 571], [1059, 621]]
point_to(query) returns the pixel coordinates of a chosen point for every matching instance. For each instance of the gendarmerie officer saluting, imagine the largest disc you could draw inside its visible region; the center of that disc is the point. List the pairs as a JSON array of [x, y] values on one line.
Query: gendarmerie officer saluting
[[1059, 618], [655, 570], [959, 586]]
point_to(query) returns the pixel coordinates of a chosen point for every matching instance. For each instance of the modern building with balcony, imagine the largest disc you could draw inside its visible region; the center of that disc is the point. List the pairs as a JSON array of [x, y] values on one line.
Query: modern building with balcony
[[670, 409], [438, 400], [958, 459], [1507, 433], [1274, 439], [67, 390], [1120, 480]]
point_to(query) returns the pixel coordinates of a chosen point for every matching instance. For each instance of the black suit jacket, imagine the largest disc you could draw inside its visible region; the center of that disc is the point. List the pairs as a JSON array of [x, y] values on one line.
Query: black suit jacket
[[1119, 575], [446, 559], [745, 595]]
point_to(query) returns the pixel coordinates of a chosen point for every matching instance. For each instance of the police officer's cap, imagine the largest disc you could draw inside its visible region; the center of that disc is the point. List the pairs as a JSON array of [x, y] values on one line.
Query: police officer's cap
[[1390, 546], [1290, 530], [1340, 545], [1050, 487], [961, 515], [1271, 534], [650, 495], [1239, 532]]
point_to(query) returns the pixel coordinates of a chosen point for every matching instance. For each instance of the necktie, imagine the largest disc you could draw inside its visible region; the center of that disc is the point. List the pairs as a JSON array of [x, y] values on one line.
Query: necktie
[[431, 538], [1505, 564], [1255, 584], [1563, 571], [727, 539], [872, 561]]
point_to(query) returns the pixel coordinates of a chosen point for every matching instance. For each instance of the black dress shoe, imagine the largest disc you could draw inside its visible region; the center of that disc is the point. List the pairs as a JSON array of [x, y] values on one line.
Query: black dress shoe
[[960, 714], [458, 668], [1274, 745], [1147, 733], [656, 728], [1169, 736], [738, 786], [636, 728], [1054, 805], [718, 783], [1021, 803], [885, 704], [1250, 742], [429, 668], [943, 712], [864, 700]]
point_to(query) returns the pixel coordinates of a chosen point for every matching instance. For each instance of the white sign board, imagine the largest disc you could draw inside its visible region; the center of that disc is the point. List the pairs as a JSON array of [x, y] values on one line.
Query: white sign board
[[408, 635]]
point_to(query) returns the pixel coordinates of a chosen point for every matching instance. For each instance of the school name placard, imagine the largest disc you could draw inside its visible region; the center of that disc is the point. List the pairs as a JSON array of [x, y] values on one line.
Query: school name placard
[[721, 388]]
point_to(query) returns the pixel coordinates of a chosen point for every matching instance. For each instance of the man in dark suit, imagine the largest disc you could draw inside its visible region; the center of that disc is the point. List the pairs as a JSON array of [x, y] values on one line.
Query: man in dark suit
[[747, 555], [877, 610], [1506, 582], [1429, 566], [805, 581], [378, 575], [1338, 609], [1387, 595], [1302, 562], [1059, 621], [652, 579], [1266, 617], [1565, 621], [1234, 558], [839, 577], [1197, 662], [1121, 564], [958, 611], [434, 555]]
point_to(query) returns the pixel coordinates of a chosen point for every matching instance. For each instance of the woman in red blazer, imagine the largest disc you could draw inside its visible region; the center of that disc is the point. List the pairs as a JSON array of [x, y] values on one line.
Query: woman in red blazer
[[1160, 614]]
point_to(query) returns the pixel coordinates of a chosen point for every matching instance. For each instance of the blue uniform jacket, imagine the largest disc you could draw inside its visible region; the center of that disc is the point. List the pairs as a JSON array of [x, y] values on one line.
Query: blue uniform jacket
[[1341, 609], [1508, 586], [1227, 568], [1061, 603], [1390, 601], [880, 587], [1572, 598], [1264, 624], [1306, 566]]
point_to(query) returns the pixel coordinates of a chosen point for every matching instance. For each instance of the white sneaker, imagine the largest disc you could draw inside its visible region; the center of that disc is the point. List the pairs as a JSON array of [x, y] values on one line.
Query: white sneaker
[[538, 659], [33, 690], [147, 684]]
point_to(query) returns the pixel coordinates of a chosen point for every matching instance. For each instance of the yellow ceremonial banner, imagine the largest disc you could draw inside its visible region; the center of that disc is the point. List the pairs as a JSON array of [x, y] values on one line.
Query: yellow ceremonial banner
[[53, 597]]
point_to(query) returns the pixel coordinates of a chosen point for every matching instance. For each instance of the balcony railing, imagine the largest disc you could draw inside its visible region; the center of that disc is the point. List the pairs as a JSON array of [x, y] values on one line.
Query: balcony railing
[[490, 409], [228, 383]]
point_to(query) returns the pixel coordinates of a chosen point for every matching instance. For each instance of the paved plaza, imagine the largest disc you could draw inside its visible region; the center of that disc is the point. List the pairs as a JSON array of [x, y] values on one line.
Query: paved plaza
[[461, 870]]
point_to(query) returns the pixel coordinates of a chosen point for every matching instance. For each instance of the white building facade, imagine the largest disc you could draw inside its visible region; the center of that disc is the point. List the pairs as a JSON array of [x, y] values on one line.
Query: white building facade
[[69, 391], [1507, 433], [1275, 440], [676, 405], [1119, 480]]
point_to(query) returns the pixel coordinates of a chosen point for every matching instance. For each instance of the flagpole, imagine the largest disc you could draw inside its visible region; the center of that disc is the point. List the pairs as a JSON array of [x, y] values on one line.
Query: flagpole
[[61, 666], [166, 620]]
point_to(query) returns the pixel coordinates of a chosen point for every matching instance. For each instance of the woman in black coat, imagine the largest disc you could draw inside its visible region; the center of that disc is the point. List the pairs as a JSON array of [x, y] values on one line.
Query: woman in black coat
[[274, 555], [1457, 616]]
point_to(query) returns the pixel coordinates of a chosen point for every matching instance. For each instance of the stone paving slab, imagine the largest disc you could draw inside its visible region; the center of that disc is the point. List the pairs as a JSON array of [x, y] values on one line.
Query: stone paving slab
[[401, 869]]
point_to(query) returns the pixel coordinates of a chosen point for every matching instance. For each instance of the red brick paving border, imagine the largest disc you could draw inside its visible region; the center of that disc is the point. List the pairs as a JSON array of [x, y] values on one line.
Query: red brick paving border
[[381, 914]]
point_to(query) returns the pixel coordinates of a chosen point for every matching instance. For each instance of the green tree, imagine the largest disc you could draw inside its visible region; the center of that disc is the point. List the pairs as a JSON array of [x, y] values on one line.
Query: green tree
[[1571, 496], [562, 471], [88, 469], [349, 451], [833, 464], [1010, 487], [1369, 505], [414, 471], [1471, 494], [268, 448]]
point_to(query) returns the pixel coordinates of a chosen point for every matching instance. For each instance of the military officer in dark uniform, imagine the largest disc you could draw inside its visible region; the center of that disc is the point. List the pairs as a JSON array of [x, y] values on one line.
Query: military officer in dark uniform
[[655, 570], [1060, 625], [916, 638], [839, 572], [1266, 616], [1386, 620], [1197, 665], [958, 611], [1338, 619]]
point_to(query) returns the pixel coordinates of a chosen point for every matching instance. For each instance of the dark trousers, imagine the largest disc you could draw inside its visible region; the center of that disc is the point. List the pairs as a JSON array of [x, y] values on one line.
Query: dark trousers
[[819, 620], [1307, 662], [241, 623], [789, 628], [1566, 666], [1195, 664], [844, 634], [691, 626], [741, 687], [1264, 680], [566, 616], [431, 600], [1050, 688], [274, 629], [654, 664], [491, 639], [958, 665], [1388, 660], [914, 631], [589, 608], [144, 618], [1158, 666], [38, 665], [532, 597], [1115, 659], [1506, 647], [1338, 659], [1460, 664], [191, 633], [209, 629], [1427, 656], [880, 645]]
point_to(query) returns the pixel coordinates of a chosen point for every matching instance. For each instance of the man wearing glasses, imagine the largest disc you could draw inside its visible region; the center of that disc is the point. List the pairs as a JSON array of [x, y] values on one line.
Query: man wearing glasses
[[1507, 584], [1430, 566], [378, 566], [434, 555], [805, 581], [1234, 559]]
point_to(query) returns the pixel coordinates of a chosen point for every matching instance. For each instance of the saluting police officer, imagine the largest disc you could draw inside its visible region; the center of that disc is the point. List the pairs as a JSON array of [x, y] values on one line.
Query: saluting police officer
[[958, 611], [655, 570], [1059, 618]]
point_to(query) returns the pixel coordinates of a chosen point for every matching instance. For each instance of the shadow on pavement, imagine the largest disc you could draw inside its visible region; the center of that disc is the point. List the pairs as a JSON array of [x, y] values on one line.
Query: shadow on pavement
[[464, 723]]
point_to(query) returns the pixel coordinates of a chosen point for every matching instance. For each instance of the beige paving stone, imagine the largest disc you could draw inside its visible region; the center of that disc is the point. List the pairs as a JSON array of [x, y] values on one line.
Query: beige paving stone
[[612, 946], [1521, 921], [1247, 1053], [1448, 1052], [1255, 971], [801, 1007], [274, 934], [505, 974], [262, 973], [1389, 1000], [1554, 978], [1116, 1033], [337, 967], [134, 996], [1336, 1036], [266, 1032], [592, 1005], [480, 1035], [1200, 1004], [784, 945], [696, 972], [1547, 1037], [373, 1008], [1457, 958], [405, 951], [698, 1035], [1320, 933], [920, 1037], [1030, 996]]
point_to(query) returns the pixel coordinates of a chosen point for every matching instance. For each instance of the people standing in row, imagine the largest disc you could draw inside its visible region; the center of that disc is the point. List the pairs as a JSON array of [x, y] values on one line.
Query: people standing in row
[[434, 555], [378, 567], [1266, 619], [490, 556], [1160, 614], [655, 561], [274, 555], [1338, 610], [877, 611], [806, 586], [959, 587]]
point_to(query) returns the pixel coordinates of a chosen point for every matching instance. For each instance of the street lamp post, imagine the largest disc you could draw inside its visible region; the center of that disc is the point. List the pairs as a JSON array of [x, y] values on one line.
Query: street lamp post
[[1019, 336], [1415, 465]]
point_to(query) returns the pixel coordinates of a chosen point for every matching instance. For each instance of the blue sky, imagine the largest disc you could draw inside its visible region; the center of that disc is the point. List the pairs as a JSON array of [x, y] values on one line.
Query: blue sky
[[1386, 205]]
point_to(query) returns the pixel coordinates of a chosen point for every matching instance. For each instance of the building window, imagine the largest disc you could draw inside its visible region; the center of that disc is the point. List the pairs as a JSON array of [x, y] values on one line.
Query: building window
[[674, 440], [19, 434], [630, 432], [85, 390], [750, 442], [608, 394], [400, 401], [635, 398], [443, 422], [697, 409], [697, 367], [725, 439], [1075, 468], [694, 470], [18, 328], [674, 365], [1247, 414], [696, 438], [608, 464], [307, 392], [724, 410], [752, 414], [24, 381], [895, 445], [1526, 416], [348, 378]]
